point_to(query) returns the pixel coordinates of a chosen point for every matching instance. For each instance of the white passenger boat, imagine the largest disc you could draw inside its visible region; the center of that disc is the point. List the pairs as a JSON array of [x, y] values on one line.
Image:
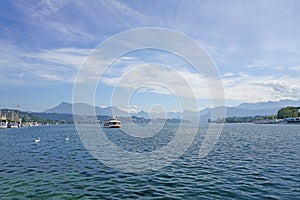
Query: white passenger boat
[[112, 123]]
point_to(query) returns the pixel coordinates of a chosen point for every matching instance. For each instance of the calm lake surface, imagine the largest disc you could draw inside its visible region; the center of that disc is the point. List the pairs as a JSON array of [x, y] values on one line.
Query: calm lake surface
[[249, 161]]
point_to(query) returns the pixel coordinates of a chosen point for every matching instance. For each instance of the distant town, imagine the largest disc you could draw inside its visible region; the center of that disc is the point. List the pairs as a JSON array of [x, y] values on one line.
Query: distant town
[[10, 118]]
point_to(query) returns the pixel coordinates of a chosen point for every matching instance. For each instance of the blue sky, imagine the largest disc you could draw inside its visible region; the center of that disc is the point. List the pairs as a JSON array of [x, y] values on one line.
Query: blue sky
[[254, 44]]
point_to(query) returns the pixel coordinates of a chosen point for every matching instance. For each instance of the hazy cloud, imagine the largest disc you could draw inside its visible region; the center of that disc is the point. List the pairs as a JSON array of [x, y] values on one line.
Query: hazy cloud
[[295, 68]]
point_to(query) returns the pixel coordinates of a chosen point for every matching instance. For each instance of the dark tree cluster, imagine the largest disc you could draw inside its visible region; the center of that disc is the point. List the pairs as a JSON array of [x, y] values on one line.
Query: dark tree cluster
[[287, 112]]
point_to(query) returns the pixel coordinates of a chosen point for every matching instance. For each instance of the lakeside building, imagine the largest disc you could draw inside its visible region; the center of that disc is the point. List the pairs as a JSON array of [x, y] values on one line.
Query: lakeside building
[[9, 119], [3, 121]]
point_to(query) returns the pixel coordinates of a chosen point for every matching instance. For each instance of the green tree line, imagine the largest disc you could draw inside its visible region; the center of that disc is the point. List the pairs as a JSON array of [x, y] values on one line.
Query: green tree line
[[286, 112]]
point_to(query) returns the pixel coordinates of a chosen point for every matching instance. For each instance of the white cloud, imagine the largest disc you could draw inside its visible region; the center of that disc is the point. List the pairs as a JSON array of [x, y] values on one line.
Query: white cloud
[[21, 67], [282, 88], [263, 65], [47, 7], [295, 68], [160, 79], [228, 74], [67, 57], [131, 109], [127, 58], [255, 65], [52, 21], [126, 13], [52, 77], [261, 88]]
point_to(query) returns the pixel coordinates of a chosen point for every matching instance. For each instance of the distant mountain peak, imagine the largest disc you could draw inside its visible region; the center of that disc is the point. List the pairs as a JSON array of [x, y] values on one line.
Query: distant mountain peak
[[86, 109], [63, 108], [64, 103]]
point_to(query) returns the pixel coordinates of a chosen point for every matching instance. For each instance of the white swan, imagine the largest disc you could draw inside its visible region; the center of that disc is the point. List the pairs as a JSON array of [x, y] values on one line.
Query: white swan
[[68, 138], [37, 140]]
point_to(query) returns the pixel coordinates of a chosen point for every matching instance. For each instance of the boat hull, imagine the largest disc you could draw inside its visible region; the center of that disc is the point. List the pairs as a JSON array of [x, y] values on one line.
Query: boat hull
[[112, 126]]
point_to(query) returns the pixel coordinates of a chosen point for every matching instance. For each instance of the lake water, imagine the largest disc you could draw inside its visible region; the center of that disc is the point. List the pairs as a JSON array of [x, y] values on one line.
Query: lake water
[[249, 161]]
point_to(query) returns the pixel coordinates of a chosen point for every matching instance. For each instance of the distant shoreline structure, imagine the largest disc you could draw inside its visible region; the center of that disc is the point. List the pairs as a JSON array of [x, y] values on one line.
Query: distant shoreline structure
[[292, 120]]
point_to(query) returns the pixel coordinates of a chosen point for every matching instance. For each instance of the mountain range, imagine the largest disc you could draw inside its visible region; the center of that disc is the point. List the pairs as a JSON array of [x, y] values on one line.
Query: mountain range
[[86, 109], [242, 110]]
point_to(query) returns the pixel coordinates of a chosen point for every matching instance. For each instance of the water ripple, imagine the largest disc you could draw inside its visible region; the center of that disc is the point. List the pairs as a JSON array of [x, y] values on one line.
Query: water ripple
[[248, 162]]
